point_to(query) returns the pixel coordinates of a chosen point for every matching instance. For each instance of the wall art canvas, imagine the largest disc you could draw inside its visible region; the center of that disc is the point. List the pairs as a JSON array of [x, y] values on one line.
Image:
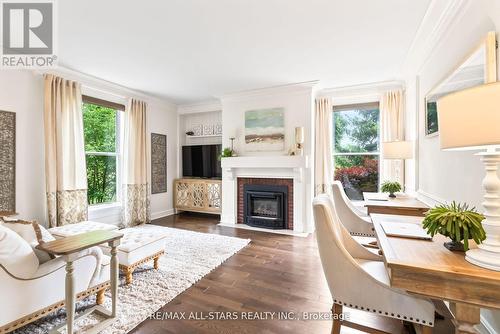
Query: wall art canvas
[[158, 163], [7, 161], [265, 130]]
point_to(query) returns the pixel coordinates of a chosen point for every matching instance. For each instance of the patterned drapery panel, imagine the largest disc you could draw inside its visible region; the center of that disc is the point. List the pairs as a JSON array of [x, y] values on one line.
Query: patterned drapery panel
[[136, 197], [65, 168]]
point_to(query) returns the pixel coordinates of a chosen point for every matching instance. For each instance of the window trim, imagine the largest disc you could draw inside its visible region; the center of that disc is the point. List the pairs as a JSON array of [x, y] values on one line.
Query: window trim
[[118, 149], [355, 106]]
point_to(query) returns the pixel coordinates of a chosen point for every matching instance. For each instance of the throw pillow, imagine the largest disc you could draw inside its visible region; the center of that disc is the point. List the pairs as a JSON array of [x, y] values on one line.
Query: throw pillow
[[16, 254], [33, 233]]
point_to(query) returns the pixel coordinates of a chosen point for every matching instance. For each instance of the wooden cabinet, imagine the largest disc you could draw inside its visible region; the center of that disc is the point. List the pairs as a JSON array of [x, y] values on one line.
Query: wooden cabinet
[[198, 195]]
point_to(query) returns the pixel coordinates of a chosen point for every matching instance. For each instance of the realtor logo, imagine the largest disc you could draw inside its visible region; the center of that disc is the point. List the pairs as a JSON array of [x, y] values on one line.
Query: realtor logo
[[27, 34]]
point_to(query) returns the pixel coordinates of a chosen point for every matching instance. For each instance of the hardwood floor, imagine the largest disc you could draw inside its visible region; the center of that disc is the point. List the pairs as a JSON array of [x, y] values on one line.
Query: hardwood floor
[[274, 273]]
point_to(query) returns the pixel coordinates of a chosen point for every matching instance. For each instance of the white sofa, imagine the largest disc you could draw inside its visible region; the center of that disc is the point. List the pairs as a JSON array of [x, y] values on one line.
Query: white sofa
[[39, 289]]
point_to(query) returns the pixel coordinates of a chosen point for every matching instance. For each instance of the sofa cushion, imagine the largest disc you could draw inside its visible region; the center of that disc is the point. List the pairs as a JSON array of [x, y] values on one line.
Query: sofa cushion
[[16, 254], [33, 233]]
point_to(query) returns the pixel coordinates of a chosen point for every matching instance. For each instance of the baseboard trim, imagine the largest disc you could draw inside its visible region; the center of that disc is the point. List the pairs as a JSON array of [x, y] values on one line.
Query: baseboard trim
[[161, 214]]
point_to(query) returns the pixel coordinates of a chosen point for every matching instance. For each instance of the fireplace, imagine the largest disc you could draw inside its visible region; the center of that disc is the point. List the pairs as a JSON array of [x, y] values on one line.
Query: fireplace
[[265, 205]]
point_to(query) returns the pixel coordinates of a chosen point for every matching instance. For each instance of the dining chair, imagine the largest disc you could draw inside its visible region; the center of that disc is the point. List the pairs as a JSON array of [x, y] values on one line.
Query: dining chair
[[358, 279], [351, 218]]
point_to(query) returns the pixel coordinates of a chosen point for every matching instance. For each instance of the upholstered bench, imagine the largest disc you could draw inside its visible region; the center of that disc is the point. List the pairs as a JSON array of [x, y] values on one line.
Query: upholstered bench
[[138, 245]]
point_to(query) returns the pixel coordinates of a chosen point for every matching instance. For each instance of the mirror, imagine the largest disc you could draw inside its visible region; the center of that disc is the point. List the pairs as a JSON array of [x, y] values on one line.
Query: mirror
[[477, 69]]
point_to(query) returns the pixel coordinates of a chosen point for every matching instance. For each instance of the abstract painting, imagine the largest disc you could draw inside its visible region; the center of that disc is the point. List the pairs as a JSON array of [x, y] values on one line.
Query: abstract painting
[[265, 130], [158, 163], [7, 161]]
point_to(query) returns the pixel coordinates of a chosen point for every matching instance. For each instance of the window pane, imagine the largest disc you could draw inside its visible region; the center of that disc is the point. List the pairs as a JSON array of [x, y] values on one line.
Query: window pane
[[358, 173], [356, 130], [99, 127], [101, 178]]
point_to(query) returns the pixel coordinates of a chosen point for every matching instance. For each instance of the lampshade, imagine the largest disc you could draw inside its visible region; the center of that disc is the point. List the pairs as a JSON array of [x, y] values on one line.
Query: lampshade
[[397, 150], [470, 119], [299, 135]]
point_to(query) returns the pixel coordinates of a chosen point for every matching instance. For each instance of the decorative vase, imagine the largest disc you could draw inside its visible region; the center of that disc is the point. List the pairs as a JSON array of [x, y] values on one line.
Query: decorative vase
[[392, 195], [455, 246]]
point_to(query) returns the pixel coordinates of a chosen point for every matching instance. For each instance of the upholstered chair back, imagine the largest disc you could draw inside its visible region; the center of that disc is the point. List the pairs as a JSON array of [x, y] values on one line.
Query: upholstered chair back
[[351, 217]]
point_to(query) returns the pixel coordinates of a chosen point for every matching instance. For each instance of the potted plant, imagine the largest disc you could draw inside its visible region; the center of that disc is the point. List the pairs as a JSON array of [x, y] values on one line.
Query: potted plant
[[457, 222], [391, 188], [226, 153]]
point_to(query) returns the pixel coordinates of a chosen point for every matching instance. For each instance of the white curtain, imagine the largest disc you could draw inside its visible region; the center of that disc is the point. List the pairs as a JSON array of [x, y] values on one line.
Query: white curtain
[[392, 107], [65, 168], [323, 166], [136, 198]]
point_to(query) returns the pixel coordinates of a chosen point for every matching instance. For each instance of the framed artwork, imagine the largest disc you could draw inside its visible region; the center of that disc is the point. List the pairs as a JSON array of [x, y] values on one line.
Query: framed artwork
[[158, 163], [265, 130], [7, 161], [478, 68]]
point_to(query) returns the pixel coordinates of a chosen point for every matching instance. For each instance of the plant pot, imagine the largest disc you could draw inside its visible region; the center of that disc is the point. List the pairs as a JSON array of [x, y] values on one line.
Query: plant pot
[[454, 246], [392, 195]]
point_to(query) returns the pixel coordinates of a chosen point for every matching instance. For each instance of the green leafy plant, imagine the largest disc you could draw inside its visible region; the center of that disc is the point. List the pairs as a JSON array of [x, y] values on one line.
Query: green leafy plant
[[391, 188], [226, 153], [457, 222]]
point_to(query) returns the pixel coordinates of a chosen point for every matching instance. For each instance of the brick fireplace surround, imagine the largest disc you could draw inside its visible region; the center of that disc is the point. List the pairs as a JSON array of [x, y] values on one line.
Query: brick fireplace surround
[[242, 181]]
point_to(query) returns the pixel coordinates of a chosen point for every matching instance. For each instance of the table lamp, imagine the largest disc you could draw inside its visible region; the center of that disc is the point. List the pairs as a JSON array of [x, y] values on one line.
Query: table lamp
[[470, 120], [398, 150]]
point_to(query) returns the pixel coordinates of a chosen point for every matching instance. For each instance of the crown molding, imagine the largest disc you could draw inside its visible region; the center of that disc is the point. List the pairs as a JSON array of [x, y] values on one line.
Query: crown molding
[[437, 22], [362, 89], [207, 106], [103, 86], [301, 87]]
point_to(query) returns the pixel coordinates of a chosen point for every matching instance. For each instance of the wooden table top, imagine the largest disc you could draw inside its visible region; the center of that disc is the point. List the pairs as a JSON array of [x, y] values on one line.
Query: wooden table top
[[402, 201], [428, 268], [79, 242]]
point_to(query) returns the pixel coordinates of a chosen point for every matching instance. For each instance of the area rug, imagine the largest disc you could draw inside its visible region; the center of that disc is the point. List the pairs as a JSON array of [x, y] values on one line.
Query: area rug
[[190, 256]]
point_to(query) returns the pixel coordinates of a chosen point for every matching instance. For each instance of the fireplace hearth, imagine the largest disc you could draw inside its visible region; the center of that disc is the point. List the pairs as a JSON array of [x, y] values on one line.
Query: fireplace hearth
[[265, 206]]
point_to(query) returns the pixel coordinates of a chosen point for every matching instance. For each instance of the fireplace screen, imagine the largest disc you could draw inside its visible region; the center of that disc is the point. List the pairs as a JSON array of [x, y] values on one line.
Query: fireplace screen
[[265, 206]]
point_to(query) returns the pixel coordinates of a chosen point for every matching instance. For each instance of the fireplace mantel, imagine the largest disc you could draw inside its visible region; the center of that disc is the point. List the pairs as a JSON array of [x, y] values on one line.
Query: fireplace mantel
[[296, 168], [296, 163]]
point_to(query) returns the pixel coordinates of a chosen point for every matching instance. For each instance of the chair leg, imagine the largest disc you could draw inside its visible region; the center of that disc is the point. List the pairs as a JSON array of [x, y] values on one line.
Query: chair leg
[[337, 316], [100, 297], [426, 330]]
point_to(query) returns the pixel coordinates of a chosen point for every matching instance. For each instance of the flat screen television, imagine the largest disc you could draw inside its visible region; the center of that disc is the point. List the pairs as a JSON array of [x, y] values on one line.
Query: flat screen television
[[201, 161]]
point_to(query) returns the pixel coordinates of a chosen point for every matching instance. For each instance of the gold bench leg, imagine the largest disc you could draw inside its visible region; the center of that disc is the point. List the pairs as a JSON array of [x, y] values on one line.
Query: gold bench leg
[[156, 262], [100, 297], [128, 275]]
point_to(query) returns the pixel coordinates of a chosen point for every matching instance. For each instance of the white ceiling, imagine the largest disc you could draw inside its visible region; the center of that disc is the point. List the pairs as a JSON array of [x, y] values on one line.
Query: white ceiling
[[194, 50]]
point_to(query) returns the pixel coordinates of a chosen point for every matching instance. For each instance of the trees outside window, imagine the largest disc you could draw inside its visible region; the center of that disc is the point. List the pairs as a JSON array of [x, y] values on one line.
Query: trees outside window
[[356, 148], [101, 132]]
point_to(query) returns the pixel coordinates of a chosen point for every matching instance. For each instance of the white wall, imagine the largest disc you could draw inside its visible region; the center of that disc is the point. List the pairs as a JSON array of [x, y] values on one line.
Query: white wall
[[297, 101], [22, 92], [446, 176]]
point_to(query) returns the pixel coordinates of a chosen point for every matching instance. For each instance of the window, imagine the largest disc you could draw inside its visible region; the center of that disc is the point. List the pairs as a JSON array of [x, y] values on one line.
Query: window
[[101, 127], [356, 148]]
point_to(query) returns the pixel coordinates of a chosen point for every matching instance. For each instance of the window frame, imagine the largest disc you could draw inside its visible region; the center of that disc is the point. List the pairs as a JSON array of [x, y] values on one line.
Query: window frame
[[357, 106], [118, 154]]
